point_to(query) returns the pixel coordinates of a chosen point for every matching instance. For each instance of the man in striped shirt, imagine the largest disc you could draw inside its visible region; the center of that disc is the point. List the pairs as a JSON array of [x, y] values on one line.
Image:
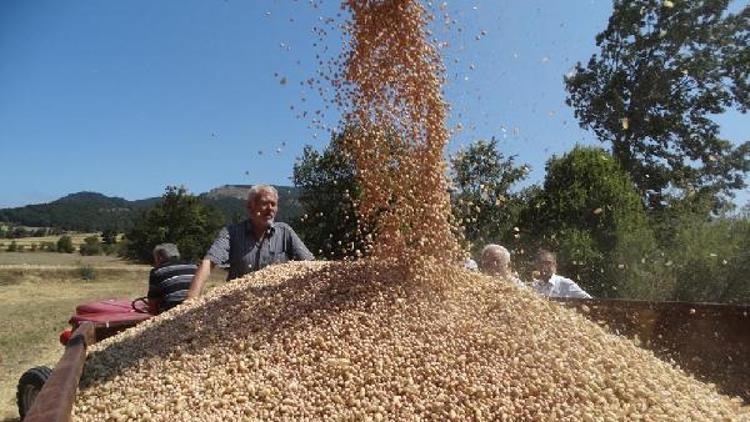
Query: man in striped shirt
[[252, 244], [169, 280]]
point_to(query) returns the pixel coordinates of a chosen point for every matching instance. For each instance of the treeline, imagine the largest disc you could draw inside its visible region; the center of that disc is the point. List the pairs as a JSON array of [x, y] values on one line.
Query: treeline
[[104, 244], [587, 210], [94, 212], [20, 232], [83, 212]]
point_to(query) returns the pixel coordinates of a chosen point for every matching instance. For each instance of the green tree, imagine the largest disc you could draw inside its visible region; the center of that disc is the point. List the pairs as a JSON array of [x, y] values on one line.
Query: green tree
[[179, 218], [591, 215], [483, 202], [109, 237], [65, 244], [664, 70], [327, 189], [91, 246]]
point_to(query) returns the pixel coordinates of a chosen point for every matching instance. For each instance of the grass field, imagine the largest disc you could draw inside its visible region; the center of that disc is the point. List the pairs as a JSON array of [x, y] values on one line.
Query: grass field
[[39, 292], [77, 239], [59, 259]]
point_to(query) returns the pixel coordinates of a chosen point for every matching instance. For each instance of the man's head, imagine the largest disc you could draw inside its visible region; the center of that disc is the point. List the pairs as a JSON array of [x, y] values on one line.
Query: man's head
[[262, 203], [546, 264], [495, 260], [165, 252]]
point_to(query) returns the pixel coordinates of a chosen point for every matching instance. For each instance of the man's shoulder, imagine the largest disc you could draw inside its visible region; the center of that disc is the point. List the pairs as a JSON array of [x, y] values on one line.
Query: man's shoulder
[[564, 280], [281, 226], [236, 226], [174, 267]]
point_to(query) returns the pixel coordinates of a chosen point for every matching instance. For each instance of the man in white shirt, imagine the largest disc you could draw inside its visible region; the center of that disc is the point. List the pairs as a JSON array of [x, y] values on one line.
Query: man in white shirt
[[496, 262], [550, 284]]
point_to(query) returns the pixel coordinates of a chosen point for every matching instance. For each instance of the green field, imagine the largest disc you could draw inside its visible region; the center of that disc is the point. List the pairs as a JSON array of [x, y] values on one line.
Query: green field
[[39, 292]]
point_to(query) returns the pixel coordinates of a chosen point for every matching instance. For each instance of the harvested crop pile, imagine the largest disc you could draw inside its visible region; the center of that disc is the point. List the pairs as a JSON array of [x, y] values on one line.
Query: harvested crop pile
[[355, 341]]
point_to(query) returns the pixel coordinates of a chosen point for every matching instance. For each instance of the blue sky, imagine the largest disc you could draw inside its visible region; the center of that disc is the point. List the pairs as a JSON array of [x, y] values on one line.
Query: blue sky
[[127, 97]]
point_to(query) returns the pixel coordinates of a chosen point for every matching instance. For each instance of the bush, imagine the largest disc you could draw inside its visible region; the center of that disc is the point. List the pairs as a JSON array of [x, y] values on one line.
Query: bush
[[91, 246], [49, 246], [65, 244], [13, 247], [87, 272]]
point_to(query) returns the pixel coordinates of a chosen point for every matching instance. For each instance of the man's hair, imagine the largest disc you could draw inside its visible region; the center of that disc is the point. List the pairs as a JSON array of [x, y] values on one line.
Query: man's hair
[[546, 253], [167, 251], [493, 247], [257, 189]]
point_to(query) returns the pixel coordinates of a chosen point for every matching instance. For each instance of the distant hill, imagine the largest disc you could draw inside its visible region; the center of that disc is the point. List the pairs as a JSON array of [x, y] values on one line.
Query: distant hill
[[92, 211]]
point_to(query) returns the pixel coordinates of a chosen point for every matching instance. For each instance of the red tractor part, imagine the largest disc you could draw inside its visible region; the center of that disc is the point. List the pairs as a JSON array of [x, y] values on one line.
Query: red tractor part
[[109, 316]]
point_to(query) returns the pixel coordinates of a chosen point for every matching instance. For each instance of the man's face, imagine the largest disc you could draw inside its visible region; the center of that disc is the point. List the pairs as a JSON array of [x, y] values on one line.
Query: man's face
[[494, 263], [262, 210], [546, 266]]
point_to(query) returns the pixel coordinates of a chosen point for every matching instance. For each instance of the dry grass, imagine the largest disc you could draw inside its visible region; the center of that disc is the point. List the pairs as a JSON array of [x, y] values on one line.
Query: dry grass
[[58, 259], [77, 239], [39, 293]]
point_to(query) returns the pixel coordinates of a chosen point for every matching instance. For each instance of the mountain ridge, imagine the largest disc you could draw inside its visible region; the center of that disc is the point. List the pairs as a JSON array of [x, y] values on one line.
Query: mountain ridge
[[93, 211]]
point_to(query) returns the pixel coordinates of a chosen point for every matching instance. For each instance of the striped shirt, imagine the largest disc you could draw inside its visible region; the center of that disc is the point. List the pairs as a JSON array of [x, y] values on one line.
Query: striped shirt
[[169, 283], [237, 247]]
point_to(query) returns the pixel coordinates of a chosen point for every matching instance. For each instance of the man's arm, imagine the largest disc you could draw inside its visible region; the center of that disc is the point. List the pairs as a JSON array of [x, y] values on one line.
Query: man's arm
[[575, 291], [298, 251], [154, 292], [200, 277], [217, 253]]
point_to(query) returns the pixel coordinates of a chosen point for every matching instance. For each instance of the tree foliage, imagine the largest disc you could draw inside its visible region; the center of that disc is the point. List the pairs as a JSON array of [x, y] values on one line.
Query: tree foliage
[[91, 246], [65, 244], [483, 202], [663, 71], [327, 189], [179, 218], [590, 213], [109, 237]]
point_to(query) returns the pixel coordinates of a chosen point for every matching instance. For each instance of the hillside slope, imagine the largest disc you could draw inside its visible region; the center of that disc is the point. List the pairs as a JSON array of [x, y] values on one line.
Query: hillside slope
[[92, 211]]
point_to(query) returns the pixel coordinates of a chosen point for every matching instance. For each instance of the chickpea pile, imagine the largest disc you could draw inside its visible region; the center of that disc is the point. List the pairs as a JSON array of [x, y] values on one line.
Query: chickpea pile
[[359, 341]]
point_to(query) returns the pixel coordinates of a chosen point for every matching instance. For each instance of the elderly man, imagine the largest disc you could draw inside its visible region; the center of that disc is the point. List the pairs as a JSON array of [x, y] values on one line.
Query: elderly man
[[550, 284], [253, 243], [496, 262], [169, 280]]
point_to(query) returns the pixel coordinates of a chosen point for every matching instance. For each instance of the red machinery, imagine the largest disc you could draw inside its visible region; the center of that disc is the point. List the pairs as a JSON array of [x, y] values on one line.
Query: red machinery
[[108, 317]]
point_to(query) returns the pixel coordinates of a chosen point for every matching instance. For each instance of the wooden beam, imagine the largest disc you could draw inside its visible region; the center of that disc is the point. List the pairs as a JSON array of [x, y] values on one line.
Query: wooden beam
[[54, 403]]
